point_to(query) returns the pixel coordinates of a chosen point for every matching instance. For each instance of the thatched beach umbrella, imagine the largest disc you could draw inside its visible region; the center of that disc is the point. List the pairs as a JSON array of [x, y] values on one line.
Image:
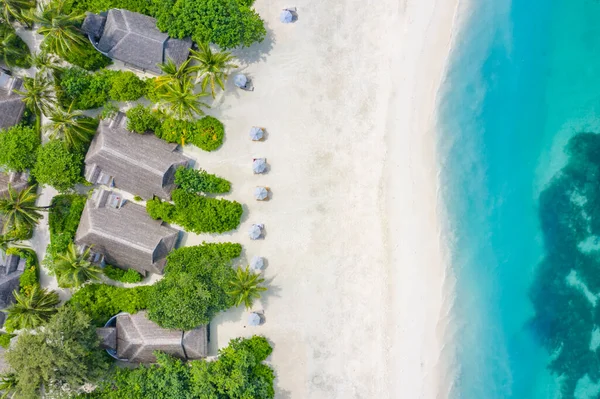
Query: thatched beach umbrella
[[240, 80], [255, 231], [259, 165], [286, 16], [253, 319], [261, 193], [256, 133], [257, 263]]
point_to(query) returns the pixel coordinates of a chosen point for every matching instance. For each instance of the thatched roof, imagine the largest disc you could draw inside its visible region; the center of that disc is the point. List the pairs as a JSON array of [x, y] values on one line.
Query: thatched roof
[[138, 338], [134, 39], [11, 104], [11, 268], [125, 235], [141, 164], [108, 337]]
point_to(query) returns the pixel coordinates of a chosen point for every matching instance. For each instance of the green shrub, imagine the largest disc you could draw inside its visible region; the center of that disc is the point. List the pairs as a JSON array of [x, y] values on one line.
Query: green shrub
[[102, 301], [19, 145], [124, 276], [137, 198], [20, 233], [142, 119], [14, 52], [30, 276], [88, 58], [126, 86], [194, 287], [83, 90], [57, 166], [173, 130], [5, 340], [197, 213], [208, 134], [63, 221], [200, 181]]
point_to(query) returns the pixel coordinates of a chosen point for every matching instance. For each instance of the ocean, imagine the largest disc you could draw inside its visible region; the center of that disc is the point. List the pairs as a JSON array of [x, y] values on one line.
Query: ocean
[[523, 79]]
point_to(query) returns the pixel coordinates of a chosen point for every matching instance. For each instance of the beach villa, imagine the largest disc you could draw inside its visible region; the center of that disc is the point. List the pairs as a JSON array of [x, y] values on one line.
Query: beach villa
[[121, 233], [134, 338], [11, 104], [141, 164], [134, 39]]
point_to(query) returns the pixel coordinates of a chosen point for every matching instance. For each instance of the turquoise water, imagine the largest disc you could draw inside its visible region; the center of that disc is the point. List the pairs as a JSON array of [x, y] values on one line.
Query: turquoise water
[[524, 78]]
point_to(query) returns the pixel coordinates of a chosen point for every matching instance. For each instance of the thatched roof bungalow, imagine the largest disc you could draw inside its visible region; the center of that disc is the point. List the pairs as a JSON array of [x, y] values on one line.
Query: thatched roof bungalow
[[122, 234], [11, 104], [134, 39], [133, 337], [141, 164]]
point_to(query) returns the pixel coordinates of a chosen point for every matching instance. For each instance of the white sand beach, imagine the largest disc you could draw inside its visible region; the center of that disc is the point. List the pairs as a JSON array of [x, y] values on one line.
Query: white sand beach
[[356, 305]]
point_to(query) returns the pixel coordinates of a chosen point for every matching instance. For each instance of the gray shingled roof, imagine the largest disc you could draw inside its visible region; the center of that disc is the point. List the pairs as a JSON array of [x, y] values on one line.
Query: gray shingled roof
[[93, 25], [141, 164], [11, 104], [11, 268], [134, 39], [126, 236], [138, 337]]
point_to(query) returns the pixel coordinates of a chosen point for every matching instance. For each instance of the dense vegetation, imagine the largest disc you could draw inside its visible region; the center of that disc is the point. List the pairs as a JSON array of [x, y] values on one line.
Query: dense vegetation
[[30, 276], [565, 319], [124, 276], [14, 52], [19, 145], [58, 166], [200, 181], [196, 213], [238, 373]]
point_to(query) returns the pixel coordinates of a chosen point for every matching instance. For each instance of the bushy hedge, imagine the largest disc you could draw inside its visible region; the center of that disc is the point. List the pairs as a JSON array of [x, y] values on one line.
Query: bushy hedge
[[142, 119], [85, 90], [88, 58], [57, 166], [124, 276], [19, 145], [102, 301], [5, 340], [200, 181], [237, 373], [206, 133], [197, 213], [63, 221], [30, 276]]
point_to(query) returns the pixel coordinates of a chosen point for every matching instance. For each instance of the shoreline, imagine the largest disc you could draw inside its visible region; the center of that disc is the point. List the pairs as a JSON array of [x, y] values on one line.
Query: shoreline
[[421, 276]]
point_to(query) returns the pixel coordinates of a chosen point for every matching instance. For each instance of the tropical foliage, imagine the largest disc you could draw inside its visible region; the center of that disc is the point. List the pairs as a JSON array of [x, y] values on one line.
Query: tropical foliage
[[178, 100], [200, 181], [124, 276], [71, 126], [19, 145], [59, 358], [173, 73], [245, 287], [63, 220], [57, 166], [142, 119], [18, 209], [38, 95], [206, 133], [31, 309], [13, 9], [196, 213], [212, 67], [30, 277], [14, 52], [73, 268]]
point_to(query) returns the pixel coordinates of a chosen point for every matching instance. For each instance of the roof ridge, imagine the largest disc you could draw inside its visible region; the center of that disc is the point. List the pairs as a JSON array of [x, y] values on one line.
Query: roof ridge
[[122, 241], [132, 160]]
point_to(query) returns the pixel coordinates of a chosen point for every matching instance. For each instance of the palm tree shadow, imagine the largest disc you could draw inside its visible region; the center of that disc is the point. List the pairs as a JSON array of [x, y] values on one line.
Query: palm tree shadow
[[257, 52]]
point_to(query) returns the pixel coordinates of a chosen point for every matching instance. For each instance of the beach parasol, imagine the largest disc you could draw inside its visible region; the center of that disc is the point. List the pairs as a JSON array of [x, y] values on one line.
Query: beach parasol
[[260, 193], [255, 231], [256, 133], [259, 165], [240, 80], [253, 319], [257, 263], [286, 16]]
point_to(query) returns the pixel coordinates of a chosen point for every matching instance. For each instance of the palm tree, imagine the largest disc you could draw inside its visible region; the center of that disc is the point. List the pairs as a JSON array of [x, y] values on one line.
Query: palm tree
[[38, 95], [245, 287], [8, 385], [74, 269], [213, 67], [46, 63], [5, 242], [179, 100], [11, 51], [71, 126], [173, 73], [61, 31], [13, 9], [19, 210], [31, 309]]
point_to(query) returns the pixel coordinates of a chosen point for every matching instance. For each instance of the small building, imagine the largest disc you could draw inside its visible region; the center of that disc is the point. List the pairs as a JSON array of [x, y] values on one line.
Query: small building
[[11, 104], [134, 39], [121, 233], [134, 338], [141, 164], [11, 268]]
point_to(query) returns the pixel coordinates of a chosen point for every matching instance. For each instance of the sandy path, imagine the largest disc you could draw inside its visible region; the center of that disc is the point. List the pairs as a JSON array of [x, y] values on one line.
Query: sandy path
[[354, 263]]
